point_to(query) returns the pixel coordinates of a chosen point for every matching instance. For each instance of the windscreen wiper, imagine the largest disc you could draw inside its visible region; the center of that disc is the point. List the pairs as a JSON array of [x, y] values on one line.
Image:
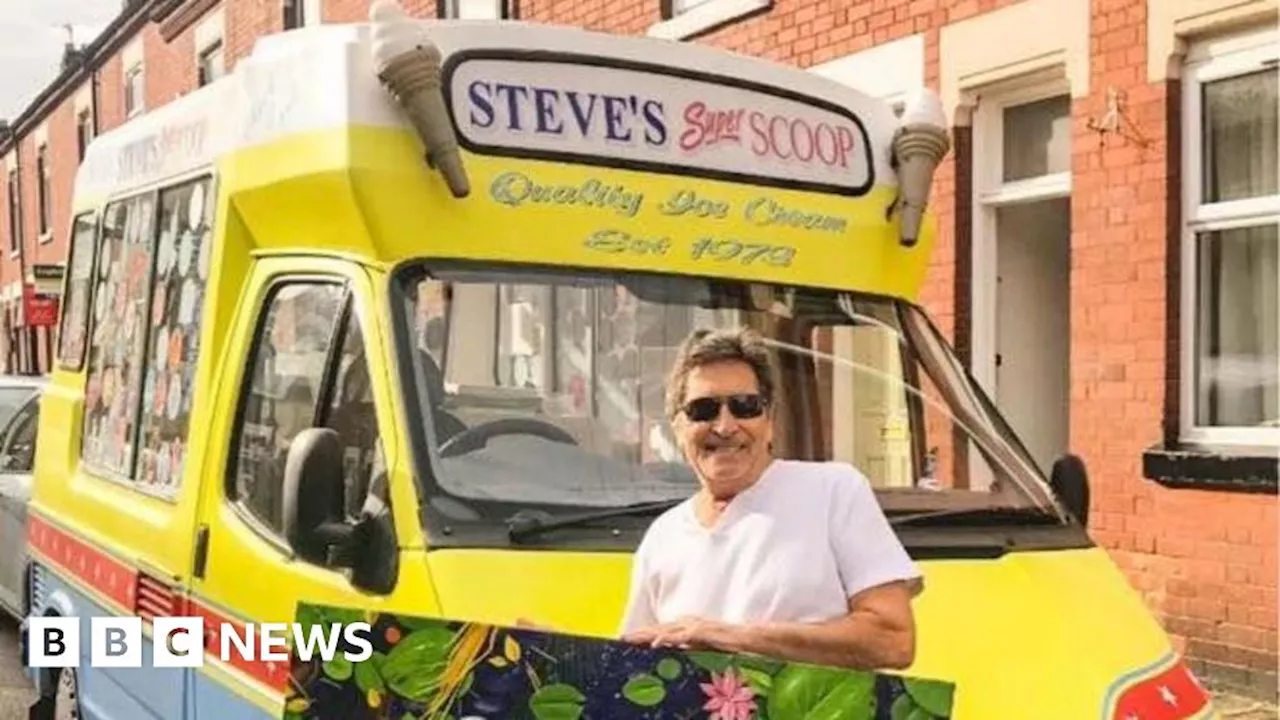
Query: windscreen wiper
[[978, 516], [523, 527]]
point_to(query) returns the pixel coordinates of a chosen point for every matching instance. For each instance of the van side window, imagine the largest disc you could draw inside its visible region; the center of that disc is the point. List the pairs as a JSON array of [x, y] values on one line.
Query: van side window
[[148, 279], [74, 330], [284, 390], [180, 277], [116, 348]]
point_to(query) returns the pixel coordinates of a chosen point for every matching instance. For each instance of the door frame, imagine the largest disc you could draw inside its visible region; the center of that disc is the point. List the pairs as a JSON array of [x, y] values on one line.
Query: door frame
[[224, 532], [991, 193]]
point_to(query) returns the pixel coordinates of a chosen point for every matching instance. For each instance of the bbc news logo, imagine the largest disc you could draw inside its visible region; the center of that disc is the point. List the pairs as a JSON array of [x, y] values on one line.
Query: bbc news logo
[[55, 642]]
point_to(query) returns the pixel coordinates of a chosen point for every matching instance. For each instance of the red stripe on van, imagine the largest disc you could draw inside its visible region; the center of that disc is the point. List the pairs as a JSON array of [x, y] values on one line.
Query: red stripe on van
[[273, 674], [1173, 694], [140, 594], [100, 571]]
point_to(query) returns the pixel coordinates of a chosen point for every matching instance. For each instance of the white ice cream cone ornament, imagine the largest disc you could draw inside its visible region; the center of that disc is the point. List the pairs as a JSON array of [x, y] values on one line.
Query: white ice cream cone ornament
[[919, 145], [409, 66]]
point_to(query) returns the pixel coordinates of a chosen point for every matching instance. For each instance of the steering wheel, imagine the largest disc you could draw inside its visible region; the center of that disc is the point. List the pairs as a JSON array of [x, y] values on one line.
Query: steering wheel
[[477, 437]]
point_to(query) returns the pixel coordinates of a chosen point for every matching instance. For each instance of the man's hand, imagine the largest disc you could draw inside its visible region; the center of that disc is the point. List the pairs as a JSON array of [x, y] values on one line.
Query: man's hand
[[691, 633]]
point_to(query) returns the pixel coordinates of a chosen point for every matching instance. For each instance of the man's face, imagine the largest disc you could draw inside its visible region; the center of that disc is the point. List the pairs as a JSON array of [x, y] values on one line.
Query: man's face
[[727, 452]]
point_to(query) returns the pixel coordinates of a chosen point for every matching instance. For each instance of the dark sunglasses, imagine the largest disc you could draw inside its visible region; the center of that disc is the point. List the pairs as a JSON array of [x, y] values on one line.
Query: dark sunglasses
[[742, 407]]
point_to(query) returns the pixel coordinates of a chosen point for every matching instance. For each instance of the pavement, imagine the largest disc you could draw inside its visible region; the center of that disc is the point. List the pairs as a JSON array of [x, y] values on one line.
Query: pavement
[[16, 694], [1234, 707]]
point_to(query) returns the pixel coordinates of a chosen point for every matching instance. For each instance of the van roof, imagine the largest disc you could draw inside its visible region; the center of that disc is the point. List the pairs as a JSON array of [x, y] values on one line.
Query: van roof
[[324, 77], [312, 154]]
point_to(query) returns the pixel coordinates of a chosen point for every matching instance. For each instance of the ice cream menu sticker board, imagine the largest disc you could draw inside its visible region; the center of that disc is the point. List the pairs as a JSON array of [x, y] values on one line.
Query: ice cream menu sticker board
[[653, 119]]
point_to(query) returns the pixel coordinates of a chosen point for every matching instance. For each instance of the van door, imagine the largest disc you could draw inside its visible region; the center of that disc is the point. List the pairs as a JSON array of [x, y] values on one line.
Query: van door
[[297, 358]]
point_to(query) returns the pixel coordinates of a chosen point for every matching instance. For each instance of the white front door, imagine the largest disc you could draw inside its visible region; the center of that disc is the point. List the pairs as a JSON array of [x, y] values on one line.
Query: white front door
[[1022, 266]]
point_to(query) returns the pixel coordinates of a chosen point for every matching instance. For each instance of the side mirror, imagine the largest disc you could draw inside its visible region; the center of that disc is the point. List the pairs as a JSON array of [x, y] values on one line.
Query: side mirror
[[1069, 480], [314, 521]]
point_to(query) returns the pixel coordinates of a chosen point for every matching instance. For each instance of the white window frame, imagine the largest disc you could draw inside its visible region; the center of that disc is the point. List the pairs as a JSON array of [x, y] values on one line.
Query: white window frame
[[141, 105], [685, 23], [1205, 62], [44, 193], [13, 202], [209, 37], [991, 192], [453, 9], [309, 10]]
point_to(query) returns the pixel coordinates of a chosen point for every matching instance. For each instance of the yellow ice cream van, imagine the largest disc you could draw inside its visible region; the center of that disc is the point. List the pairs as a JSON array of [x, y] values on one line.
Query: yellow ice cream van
[[470, 250]]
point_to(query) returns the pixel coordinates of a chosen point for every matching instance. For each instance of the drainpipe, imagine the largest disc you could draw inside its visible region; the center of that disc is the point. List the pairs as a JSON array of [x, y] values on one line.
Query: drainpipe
[[22, 264]]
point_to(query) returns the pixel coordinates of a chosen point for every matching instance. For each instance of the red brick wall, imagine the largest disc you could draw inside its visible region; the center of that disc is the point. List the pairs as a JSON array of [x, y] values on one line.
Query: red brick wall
[[111, 94], [1206, 562], [170, 66], [246, 21]]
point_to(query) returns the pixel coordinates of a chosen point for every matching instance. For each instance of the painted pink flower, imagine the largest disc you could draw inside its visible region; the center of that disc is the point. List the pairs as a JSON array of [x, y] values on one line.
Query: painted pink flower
[[730, 697]]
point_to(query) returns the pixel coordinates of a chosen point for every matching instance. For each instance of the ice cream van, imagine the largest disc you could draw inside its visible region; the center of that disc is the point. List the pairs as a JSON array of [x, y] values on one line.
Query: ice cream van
[[381, 319]]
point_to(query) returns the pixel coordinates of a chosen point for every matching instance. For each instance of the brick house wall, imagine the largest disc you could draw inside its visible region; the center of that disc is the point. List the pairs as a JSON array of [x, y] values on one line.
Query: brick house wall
[[1203, 557]]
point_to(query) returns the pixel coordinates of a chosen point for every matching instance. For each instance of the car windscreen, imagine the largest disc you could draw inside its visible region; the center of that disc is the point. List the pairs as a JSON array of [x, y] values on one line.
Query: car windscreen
[[12, 398]]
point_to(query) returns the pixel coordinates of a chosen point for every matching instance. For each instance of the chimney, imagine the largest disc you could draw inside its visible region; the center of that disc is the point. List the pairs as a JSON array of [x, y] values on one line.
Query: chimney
[[71, 55]]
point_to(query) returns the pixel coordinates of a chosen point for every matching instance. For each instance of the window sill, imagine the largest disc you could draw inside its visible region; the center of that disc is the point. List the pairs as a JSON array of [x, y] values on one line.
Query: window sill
[[1212, 468], [708, 17]]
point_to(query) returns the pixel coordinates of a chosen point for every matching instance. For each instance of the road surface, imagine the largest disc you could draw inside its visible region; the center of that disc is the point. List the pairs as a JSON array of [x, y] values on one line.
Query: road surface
[[16, 694]]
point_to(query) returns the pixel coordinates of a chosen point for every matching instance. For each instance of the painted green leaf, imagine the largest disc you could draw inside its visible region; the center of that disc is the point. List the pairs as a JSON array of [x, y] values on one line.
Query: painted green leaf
[[644, 689], [466, 683], [904, 708], [557, 702], [936, 697], [818, 693], [339, 668], [413, 667], [309, 615], [344, 616], [768, 666], [710, 661], [368, 678], [759, 681], [669, 668]]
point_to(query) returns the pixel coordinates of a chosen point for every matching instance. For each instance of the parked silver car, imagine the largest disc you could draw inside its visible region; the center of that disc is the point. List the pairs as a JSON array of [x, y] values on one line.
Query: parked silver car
[[19, 414]]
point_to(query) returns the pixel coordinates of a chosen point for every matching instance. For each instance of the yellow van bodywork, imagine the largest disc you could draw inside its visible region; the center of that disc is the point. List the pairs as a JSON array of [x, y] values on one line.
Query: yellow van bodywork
[[1048, 634]]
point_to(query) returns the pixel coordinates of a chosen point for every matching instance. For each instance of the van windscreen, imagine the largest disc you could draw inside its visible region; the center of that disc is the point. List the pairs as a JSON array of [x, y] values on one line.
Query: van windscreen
[[547, 389]]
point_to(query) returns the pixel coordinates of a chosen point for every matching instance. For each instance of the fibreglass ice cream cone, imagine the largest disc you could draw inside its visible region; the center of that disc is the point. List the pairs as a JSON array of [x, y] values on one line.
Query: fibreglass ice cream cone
[[409, 66], [919, 148]]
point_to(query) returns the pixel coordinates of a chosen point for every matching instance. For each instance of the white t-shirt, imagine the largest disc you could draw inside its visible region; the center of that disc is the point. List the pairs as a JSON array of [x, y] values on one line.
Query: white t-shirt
[[794, 547]]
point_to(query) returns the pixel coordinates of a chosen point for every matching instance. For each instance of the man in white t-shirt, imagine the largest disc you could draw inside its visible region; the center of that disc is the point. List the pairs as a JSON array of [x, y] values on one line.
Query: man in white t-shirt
[[776, 557]]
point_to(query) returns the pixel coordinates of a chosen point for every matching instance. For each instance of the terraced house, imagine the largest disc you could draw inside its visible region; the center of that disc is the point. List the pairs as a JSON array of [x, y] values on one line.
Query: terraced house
[[1108, 263]]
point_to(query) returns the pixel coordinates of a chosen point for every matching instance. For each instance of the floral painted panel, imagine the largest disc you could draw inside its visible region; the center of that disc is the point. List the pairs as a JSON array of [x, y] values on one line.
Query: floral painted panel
[[432, 668], [117, 345], [181, 276]]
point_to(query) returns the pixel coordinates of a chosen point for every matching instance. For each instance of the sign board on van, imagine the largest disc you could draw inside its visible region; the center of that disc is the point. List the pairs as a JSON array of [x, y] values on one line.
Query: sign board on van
[[436, 667], [654, 118]]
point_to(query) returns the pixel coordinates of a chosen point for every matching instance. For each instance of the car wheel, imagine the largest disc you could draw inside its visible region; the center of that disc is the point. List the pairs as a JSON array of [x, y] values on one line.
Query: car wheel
[[66, 699]]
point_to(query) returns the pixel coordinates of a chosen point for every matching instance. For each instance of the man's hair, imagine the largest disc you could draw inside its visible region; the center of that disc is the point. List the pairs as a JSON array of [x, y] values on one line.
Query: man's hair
[[706, 347]]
